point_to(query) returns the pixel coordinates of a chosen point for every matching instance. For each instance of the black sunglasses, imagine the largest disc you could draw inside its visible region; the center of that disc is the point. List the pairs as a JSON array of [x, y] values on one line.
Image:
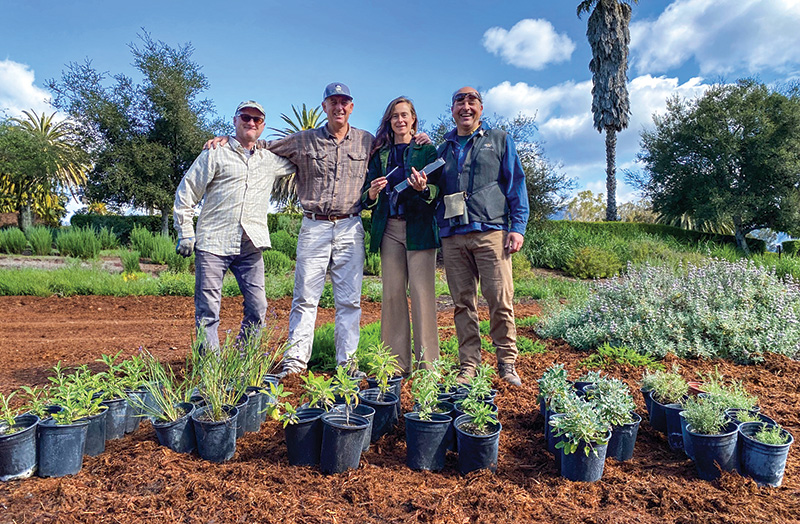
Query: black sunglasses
[[247, 118], [458, 97]]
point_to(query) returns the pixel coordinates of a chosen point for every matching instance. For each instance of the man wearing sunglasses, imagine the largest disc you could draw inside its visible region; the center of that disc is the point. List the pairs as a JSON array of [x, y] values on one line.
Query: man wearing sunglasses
[[234, 182], [482, 220]]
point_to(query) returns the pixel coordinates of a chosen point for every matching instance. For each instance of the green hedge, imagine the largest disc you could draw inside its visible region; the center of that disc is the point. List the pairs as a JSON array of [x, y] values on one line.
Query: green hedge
[[122, 225], [790, 247]]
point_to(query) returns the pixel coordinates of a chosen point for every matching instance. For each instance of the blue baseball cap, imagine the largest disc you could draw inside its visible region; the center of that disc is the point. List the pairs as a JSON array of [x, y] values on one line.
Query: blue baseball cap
[[337, 88]]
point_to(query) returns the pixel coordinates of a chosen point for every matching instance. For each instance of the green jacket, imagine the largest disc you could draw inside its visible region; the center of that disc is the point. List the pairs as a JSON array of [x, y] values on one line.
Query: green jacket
[[422, 232]]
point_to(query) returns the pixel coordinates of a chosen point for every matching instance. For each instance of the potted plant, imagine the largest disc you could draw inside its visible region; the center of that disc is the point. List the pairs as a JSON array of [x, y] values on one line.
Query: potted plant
[[614, 403], [383, 366], [17, 441], [260, 359], [342, 433], [168, 408], [383, 370], [215, 423], [302, 431], [562, 402], [133, 379], [478, 434], [649, 378], [553, 379], [587, 379], [428, 433], [61, 440], [583, 441], [83, 388], [712, 437], [668, 388], [764, 450], [113, 396]]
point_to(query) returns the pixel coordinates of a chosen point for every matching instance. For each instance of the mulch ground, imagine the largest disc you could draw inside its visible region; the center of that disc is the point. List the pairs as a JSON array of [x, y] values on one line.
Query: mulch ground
[[137, 481]]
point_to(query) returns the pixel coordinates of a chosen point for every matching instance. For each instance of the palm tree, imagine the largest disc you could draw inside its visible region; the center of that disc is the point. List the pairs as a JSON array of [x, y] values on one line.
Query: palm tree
[[67, 163], [284, 192], [609, 38]]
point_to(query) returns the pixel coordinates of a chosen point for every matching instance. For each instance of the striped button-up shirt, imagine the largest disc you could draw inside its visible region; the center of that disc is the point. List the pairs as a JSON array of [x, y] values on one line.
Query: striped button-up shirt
[[330, 174], [237, 188]]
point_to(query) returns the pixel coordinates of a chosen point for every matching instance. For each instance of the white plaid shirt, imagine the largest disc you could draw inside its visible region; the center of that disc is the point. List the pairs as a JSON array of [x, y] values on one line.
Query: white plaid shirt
[[237, 188]]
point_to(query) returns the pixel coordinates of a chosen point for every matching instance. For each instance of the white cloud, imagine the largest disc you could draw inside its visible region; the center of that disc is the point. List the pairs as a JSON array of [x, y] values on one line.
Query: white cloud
[[18, 91], [563, 114], [531, 44], [721, 36]]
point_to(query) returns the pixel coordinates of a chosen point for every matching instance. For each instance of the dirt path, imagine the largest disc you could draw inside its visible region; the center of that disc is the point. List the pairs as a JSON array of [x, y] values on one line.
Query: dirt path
[[137, 481]]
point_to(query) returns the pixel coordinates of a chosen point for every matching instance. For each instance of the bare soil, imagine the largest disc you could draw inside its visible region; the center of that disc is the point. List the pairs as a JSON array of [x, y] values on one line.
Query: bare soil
[[138, 481]]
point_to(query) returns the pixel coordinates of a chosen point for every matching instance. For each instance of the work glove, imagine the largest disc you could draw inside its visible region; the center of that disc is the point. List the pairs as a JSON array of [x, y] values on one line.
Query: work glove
[[185, 246]]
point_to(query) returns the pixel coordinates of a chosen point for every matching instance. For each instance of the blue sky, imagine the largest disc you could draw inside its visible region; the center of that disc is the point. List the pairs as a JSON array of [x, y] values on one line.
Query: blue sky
[[524, 56]]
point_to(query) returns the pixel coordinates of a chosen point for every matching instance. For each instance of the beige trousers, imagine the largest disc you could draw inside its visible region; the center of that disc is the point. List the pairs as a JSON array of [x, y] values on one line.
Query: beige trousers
[[407, 273], [480, 258]]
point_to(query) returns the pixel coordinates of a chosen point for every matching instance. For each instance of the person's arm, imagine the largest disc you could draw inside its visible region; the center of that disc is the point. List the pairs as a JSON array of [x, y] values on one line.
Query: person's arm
[[189, 193], [513, 178]]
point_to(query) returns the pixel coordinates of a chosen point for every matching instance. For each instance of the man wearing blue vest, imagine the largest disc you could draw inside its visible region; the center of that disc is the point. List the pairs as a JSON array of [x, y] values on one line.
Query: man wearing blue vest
[[482, 221]]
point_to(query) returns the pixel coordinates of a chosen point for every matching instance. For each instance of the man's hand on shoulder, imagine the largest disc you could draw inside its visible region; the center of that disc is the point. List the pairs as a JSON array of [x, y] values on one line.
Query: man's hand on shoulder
[[422, 139], [514, 243], [216, 141]]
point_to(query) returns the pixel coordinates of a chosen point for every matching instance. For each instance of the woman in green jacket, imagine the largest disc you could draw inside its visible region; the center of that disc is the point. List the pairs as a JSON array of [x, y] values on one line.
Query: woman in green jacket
[[405, 233]]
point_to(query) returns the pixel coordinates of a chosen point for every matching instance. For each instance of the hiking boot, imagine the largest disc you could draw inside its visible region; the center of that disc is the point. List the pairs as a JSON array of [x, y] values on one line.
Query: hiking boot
[[509, 374], [465, 374], [287, 370]]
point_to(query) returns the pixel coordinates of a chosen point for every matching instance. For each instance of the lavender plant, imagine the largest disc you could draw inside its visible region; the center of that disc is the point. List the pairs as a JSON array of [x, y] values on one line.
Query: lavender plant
[[735, 310]]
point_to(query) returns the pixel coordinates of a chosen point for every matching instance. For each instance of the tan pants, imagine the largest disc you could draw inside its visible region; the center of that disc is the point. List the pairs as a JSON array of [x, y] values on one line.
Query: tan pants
[[468, 260], [408, 273]]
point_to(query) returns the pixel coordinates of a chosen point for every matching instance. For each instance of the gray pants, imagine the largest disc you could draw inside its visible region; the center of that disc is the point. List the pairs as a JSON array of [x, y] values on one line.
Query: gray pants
[[248, 268]]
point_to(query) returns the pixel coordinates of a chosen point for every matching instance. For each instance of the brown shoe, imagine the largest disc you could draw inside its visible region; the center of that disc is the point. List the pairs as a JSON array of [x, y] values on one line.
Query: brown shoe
[[465, 374], [509, 374]]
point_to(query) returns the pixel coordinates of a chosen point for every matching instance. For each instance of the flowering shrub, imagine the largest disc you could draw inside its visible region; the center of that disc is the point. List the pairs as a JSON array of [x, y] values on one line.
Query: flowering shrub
[[733, 310]]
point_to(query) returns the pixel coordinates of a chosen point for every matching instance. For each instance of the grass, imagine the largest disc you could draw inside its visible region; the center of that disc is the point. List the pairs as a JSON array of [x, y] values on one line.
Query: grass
[[607, 356]]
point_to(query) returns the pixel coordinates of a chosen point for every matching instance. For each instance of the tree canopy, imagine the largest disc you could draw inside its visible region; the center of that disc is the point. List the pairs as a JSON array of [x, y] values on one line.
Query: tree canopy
[[142, 136], [731, 155]]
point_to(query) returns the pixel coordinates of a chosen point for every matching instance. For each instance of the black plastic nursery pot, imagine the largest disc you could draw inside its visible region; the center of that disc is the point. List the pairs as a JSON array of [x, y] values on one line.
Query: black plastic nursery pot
[[764, 463], [304, 438], [115, 417], [395, 386], [242, 407], [549, 434], [714, 453], [178, 435], [733, 414], [60, 447], [658, 417], [96, 433], [476, 451], [18, 449], [366, 412], [342, 440], [216, 439], [579, 466], [647, 400], [255, 406], [674, 433], [427, 441], [623, 439], [385, 411], [133, 413], [445, 407], [688, 448]]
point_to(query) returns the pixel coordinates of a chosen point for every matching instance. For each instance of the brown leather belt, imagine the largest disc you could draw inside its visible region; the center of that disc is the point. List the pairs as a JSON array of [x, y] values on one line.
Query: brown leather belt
[[331, 218]]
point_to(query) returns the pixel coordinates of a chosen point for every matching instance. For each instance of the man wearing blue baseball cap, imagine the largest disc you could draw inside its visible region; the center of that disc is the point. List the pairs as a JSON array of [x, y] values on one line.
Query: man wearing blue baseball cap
[[236, 181]]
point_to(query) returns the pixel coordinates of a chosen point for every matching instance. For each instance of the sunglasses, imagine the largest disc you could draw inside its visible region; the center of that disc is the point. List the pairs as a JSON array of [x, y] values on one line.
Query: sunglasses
[[247, 118], [470, 97]]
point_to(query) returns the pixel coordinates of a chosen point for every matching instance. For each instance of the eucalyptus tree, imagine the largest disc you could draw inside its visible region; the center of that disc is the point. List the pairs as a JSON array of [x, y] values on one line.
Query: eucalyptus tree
[[609, 38], [284, 190]]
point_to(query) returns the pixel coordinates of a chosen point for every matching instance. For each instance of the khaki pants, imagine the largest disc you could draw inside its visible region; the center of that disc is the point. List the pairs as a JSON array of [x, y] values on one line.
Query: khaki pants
[[468, 260], [405, 273]]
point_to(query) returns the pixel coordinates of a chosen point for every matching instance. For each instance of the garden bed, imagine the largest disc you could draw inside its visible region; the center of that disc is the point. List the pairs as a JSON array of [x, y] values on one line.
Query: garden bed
[[136, 480]]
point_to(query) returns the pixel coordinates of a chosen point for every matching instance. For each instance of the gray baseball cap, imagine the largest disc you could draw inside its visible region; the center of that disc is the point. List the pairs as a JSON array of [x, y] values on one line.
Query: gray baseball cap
[[337, 88], [252, 104]]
